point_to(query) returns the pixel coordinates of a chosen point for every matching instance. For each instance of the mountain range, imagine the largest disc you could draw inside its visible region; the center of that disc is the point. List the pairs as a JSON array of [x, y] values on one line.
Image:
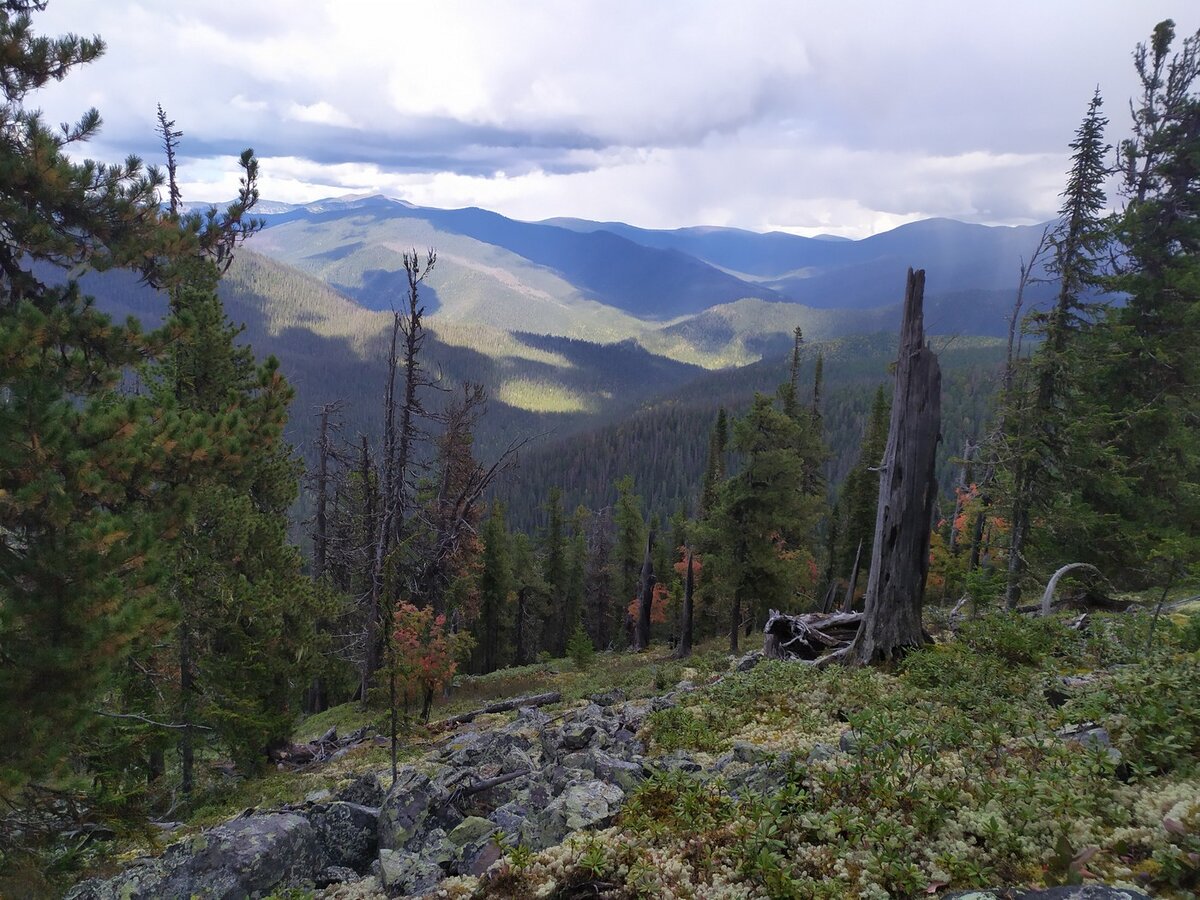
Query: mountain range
[[583, 332]]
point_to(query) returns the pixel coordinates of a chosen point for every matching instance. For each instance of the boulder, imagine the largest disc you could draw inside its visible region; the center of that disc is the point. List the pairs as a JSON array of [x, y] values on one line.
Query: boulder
[[248, 857], [335, 875], [582, 805], [413, 806], [365, 790], [578, 736], [624, 774], [402, 872], [749, 661], [348, 833]]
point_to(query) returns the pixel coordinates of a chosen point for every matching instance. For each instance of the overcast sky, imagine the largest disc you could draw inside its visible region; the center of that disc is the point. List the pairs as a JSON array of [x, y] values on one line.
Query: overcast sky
[[847, 118]]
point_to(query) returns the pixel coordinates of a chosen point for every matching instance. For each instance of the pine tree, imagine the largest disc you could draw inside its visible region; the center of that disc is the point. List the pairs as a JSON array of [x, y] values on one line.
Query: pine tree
[[82, 512]]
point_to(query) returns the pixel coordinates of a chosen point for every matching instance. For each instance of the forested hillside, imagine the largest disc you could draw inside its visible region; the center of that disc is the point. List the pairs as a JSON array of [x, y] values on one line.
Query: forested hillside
[[373, 550]]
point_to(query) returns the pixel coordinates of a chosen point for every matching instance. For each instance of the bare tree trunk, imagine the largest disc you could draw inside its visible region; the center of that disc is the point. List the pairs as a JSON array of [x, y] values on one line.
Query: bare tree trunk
[[641, 639], [1052, 584], [689, 587], [848, 602], [907, 491]]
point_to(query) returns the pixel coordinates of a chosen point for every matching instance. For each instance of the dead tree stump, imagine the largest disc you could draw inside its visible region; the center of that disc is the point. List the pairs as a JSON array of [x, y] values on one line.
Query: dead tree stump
[[907, 491]]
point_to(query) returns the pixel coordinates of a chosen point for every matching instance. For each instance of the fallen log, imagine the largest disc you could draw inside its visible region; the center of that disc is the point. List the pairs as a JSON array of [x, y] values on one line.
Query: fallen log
[[501, 706], [808, 635]]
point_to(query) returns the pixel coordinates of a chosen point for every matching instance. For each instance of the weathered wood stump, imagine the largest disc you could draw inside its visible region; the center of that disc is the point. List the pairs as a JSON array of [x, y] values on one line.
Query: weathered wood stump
[[809, 635]]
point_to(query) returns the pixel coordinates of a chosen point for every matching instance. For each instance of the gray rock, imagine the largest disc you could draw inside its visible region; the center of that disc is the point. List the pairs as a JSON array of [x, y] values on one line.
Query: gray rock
[[510, 817], [624, 774], [406, 811], [634, 713], [850, 740], [477, 848], [746, 752], [348, 833], [365, 790], [578, 736], [628, 742], [402, 872], [1090, 736], [608, 698], [749, 661], [242, 858], [335, 875], [531, 716], [664, 701], [678, 761], [685, 687], [582, 805], [822, 752]]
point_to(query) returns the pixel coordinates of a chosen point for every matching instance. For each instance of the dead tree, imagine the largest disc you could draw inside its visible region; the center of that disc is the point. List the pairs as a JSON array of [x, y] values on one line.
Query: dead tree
[[1048, 594], [907, 491], [848, 602], [641, 639], [689, 590], [328, 456]]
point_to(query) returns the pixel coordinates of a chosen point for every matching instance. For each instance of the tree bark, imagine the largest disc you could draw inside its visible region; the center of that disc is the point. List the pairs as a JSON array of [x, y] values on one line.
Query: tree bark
[[689, 587], [848, 602], [907, 491]]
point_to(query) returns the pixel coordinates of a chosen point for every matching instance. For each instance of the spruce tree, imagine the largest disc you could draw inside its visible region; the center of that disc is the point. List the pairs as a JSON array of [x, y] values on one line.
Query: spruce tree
[[1140, 512], [757, 535], [1041, 402], [495, 587]]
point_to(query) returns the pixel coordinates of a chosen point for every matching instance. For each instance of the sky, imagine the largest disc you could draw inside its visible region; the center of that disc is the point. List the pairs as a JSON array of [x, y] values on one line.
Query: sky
[[845, 118]]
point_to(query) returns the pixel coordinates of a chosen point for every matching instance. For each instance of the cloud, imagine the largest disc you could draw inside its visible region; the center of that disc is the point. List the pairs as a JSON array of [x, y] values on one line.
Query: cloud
[[801, 116]]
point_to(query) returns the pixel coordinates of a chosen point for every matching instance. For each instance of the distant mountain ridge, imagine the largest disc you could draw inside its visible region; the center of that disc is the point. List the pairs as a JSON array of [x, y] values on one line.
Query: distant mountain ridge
[[669, 290]]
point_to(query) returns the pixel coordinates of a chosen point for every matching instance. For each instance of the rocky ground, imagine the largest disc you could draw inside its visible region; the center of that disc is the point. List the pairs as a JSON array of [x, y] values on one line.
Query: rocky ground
[[531, 779]]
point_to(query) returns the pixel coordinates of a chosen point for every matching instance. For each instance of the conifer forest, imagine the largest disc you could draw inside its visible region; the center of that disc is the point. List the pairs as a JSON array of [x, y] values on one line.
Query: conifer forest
[[360, 547]]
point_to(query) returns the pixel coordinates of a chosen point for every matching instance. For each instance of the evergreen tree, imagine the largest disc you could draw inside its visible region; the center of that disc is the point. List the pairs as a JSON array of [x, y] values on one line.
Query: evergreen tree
[[630, 543], [1139, 513], [554, 573], [84, 498], [714, 472], [860, 491], [495, 587], [1041, 403], [756, 536]]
